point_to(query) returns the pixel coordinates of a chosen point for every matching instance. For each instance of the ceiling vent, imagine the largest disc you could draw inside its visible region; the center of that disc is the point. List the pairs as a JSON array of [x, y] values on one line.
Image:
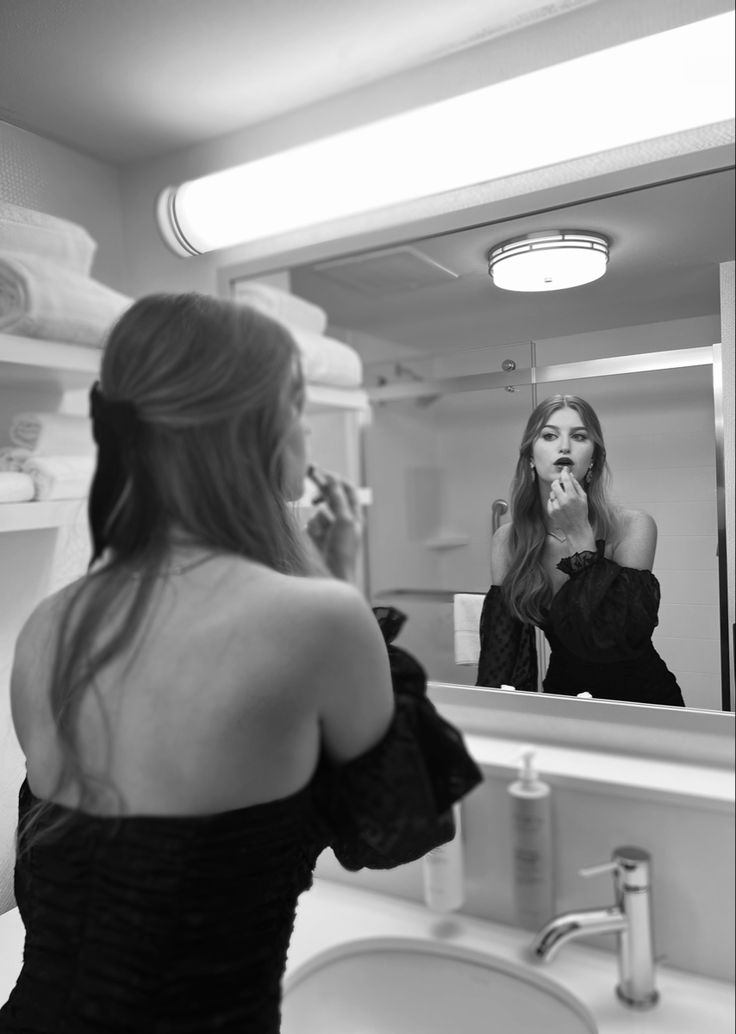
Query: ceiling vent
[[391, 271]]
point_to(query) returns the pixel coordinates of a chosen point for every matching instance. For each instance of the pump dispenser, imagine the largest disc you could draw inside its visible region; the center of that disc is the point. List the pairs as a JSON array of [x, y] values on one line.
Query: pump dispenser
[[443, 868], [531, 816]]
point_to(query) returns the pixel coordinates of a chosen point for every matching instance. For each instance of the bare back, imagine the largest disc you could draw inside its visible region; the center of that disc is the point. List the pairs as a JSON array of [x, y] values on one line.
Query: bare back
[[240, 677]]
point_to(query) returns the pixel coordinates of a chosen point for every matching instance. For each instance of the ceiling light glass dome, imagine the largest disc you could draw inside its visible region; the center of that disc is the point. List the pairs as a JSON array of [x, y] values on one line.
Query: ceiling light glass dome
[[550, 261]]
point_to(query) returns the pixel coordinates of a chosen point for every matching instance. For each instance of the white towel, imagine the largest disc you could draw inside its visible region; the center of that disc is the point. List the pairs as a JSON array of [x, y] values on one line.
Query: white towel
[[16, 487], [282, 305], [41, 299], [60, 477], [13, 457], [466, 608], [328, 361], [52, 434], [47, 236]]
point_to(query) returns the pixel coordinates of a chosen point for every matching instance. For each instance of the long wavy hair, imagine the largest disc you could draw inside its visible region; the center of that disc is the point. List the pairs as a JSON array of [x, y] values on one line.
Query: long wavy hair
[[527, 588], [204, 392]]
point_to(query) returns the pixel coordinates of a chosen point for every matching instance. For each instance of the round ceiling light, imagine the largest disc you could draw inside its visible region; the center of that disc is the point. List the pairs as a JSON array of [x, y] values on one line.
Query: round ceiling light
[[549, 261]]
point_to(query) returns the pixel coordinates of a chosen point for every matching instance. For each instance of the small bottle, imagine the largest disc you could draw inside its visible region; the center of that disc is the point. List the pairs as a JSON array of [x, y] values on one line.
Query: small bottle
[[531, 817], [444, 872]]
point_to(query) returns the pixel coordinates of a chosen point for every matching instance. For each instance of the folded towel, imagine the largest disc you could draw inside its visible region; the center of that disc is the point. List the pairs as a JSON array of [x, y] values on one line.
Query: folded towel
[[47, 236], [16, 487], [13, 457], [327, 361], [58, 434], [41, 299], [60, 477], [466, 607], [282, 305]]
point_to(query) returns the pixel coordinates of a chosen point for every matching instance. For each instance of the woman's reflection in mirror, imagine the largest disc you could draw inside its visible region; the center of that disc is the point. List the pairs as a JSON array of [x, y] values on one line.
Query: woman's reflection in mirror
[[575, 565]]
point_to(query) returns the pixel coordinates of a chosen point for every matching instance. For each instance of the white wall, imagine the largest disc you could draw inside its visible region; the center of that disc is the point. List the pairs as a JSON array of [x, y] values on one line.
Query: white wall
[[41, 174]]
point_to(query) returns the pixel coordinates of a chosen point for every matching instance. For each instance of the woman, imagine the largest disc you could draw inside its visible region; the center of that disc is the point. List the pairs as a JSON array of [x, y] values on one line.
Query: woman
[[576, 566], [207, 709]]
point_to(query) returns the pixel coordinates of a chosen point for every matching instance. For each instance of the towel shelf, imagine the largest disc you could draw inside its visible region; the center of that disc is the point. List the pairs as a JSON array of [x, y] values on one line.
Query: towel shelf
[[39, 515], [28, 361]]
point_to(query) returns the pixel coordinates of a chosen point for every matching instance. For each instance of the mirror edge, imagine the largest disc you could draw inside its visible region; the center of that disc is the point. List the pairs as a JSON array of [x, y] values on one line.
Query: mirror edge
[[666, 733]]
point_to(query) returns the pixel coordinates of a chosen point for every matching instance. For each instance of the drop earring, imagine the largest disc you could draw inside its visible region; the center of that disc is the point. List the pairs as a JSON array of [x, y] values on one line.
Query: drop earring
[[588, 475], [533, 469]]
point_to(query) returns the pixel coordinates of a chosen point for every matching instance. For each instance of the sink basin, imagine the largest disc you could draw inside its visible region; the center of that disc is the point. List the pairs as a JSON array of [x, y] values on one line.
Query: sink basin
[[394, 985]]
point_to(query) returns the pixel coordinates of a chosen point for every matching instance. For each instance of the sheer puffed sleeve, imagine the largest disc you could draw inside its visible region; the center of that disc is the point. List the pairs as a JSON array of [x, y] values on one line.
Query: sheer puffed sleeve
[[508, 655], [604, 612], [394, 803]]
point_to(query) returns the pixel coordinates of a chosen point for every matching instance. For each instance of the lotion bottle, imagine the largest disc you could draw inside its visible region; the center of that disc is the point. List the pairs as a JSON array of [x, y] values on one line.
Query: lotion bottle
[[444, 872], [531, 817]]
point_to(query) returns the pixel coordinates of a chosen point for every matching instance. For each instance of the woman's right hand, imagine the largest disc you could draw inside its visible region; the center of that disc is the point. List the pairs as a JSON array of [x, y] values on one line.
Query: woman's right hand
[[567, 509], [337, 526]]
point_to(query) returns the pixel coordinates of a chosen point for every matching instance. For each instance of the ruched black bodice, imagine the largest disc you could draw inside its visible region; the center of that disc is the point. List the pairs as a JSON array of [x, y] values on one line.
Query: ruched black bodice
[[181, 925], [599, 628]]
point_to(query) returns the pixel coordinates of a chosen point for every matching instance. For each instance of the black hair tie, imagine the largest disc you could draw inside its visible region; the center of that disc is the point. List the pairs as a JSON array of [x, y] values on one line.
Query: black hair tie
[[111, 417]]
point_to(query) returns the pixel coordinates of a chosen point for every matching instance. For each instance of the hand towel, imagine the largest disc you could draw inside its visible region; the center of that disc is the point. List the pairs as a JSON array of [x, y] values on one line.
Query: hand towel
[[12, 457], [466, 607], [60, 477], [282, 305], [327, 361], [46, 434], [46, 236], [41, 299], [16, 487]]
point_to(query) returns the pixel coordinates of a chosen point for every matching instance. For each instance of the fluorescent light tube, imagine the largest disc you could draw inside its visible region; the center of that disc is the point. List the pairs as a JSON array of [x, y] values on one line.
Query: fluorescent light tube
[[674, 81]]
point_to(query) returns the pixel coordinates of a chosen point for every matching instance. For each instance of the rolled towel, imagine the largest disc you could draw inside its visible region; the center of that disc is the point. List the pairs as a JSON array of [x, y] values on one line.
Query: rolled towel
[[47, 236], [49, 434], [12, 457], [60, 477], [466, 608], [16, 487], [328, 361], [282, 305], [41, 299]]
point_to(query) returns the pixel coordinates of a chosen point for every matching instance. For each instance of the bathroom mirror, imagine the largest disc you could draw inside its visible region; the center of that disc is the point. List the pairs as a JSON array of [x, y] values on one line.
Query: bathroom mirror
[[454, 366]]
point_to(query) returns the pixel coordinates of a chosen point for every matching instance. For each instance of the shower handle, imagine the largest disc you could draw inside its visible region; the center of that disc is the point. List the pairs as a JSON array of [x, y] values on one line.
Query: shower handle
[[498, 509]]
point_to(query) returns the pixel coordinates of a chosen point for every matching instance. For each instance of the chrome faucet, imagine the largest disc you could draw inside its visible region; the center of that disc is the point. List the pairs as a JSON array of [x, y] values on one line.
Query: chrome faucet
[[630, 918]]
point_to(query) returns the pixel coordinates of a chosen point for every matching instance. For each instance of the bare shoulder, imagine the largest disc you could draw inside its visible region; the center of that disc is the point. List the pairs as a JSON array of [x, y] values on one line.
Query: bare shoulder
[[311, 606], [636, 540], [32, 660], [500, 553], [38, 632], [327, 635]]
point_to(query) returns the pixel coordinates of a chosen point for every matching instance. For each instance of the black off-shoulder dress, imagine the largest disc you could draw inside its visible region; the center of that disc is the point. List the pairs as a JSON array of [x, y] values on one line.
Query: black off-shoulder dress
[[599, 628], [181, 925]]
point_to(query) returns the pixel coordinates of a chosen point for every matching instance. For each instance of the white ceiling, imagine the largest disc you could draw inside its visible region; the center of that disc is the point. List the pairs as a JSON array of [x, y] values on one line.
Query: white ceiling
[[130, 79], [667, 242]]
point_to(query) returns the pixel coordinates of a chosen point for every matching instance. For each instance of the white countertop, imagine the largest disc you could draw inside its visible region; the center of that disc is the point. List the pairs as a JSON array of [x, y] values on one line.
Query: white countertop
[[331, 914]]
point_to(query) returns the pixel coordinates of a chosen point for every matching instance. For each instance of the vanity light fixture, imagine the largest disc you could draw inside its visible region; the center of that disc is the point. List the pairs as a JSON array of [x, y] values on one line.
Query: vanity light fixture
[[672, 82], [548, 261]]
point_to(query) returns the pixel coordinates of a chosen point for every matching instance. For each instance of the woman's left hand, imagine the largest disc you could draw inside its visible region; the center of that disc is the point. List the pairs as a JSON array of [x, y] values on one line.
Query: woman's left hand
[[567, 509], [336, 528]]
